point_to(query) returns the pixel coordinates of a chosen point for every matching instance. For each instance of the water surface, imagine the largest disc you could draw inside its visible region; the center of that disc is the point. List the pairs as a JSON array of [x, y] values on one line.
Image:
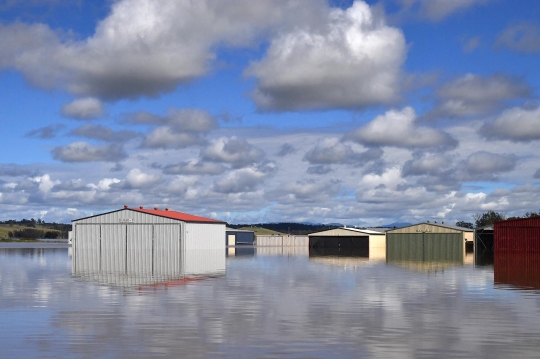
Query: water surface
[[269, 303]]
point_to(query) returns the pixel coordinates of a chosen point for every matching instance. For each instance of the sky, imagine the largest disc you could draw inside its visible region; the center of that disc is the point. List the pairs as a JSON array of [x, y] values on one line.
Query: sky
[[324, 111]]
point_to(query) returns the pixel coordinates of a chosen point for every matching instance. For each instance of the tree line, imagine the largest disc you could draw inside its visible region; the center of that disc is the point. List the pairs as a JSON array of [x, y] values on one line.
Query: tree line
[[37, 229], [32, 233], [490, 217]]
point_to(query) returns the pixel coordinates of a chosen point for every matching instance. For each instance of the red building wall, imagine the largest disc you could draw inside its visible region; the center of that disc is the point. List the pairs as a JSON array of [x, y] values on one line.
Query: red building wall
[[519, 235]]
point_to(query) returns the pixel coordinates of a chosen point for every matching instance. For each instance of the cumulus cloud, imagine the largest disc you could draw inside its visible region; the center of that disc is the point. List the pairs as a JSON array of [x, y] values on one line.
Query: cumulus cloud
[[476, 95], [518, 124], [435, 172], [144, 48], [523, 38], [427, 164], [483, 165], [138, 179], [306, 191], [332, 151], [85, 152], [86, 108], [103, 133], [46, 132], [537, 174], [436, 10], [398, 129], [194, 167], [352, 60], [244, 179], [178, 129], [234, 151]]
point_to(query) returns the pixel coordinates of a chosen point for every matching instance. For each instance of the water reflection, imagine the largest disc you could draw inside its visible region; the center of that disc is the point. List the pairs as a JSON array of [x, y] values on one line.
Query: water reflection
[[431, 256], [516, 269], [135, 266], [271, 306], [240, 252]]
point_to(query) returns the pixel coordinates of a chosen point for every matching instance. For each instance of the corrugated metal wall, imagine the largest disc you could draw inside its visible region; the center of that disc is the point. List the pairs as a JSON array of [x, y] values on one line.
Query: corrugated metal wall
[[167, 246], [204, 236], [424, 227], [522, 235], [282, 241], [517, 269], [425, 247]]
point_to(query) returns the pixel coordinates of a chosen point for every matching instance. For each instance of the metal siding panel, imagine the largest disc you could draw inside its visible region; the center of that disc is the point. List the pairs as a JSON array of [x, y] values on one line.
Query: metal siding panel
[[88, 246], [167, 247], [204, 236], [139, 249], [113, 248]]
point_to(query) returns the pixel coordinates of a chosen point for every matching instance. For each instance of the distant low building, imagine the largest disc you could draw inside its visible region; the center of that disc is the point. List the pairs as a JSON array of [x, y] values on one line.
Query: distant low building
[[239, 236], [372, 243]]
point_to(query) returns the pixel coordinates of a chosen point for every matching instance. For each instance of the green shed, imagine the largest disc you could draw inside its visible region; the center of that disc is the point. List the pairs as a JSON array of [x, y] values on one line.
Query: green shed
[[427, 242]]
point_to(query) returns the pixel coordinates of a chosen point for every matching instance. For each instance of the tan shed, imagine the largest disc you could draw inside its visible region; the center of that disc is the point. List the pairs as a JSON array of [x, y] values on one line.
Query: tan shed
[[372, 242]]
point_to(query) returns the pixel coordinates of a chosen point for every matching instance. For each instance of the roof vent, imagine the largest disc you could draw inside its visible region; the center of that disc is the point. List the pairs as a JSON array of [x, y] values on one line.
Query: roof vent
[[125, 206], [155, 208], [141, 207], [166, 209]]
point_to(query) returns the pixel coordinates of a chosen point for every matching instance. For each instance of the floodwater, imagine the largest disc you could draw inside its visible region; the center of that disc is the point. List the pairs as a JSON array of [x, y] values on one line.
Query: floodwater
[[267, 303]]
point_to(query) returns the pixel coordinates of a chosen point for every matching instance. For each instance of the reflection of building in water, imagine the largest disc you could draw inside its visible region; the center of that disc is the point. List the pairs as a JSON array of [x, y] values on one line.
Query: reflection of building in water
[[297, 251], [132, 247], [521, 270], [370, 241], [240, 252], [140, 268], [340, 257]]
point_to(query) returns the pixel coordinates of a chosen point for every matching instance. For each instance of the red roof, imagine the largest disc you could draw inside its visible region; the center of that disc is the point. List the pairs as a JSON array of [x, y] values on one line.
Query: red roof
[[176, 215]]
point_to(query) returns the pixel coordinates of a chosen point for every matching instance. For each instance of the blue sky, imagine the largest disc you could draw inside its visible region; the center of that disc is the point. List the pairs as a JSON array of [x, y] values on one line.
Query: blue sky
[[355, 112]]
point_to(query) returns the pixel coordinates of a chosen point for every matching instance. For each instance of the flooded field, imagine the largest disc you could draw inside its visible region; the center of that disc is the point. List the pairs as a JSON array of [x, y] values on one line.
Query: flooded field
[[268, 303]]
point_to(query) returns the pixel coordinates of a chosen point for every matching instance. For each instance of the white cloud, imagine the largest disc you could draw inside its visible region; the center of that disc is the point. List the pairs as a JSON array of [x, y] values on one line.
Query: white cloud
[[476, 95], [332, 151], [87, 108], [138, 179], [85, 152], [483, 162], [235, 151], [353, 60], [144, 47], [241, 180], [398, 129], [517, 124], [166, 137]]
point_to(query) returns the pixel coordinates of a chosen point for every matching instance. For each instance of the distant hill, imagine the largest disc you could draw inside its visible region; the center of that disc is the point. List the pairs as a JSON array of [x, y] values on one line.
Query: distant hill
[[397, 225], [286, 227]]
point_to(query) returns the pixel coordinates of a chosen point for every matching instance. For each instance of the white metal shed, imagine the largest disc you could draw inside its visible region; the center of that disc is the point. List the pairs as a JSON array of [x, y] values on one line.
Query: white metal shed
[[132, 240]]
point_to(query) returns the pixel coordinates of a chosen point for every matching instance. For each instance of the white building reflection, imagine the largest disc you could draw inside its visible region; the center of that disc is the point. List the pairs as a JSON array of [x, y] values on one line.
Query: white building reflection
[[133, 265]]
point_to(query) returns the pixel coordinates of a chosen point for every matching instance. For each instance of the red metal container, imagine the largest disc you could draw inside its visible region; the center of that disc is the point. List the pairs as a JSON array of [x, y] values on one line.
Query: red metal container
[[519, 235]]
